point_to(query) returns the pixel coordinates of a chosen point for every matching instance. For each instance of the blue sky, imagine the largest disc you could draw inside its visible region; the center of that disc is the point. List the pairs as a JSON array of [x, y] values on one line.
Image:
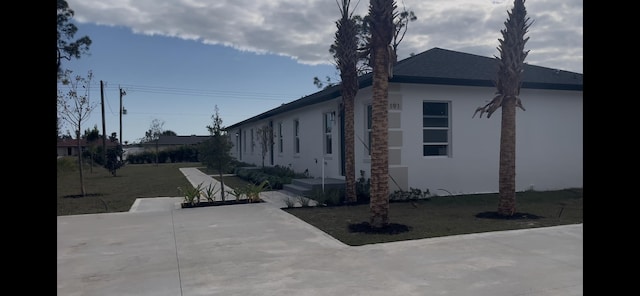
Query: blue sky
[[178, 59]]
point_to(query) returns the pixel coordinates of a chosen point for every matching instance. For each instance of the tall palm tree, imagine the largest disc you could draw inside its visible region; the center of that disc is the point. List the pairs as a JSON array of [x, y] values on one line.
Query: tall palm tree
[[511, 67], [346, 55], [382, 14]]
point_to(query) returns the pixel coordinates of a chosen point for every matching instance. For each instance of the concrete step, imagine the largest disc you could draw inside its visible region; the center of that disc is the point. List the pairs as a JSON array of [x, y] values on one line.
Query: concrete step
[[296, 189], [307, 186]]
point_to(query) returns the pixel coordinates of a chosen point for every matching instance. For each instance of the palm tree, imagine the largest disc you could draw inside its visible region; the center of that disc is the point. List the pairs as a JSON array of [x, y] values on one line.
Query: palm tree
[[511, 66], [346, 55], [382, 14]]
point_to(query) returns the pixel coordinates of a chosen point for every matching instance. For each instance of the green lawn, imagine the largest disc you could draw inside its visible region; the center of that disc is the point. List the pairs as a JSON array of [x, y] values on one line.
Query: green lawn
[[438, 216], [106, 193], [447, 215]]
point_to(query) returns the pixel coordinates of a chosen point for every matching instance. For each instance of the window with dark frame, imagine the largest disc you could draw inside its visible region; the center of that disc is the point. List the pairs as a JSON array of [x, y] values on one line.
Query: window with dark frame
[[280, 137], [296, 135], [327, 133]]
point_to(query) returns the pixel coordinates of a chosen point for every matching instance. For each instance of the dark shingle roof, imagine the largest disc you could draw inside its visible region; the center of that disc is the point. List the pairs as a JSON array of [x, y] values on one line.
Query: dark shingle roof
[[181, 140], [442, 66], [83, 143]]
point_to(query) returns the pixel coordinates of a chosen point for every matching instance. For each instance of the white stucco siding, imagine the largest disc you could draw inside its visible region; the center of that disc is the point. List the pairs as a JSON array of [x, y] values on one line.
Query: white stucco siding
[[549, 141], [549, 151], [549, 135], [311, 136]]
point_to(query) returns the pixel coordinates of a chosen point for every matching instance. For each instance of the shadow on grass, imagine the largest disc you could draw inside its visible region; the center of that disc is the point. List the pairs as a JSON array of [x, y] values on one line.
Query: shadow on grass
[[391, 228], [515, 216], [80, 195]]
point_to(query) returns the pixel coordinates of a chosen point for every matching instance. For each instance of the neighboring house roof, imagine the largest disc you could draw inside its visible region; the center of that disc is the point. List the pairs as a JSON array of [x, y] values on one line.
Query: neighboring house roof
[[442, 66], [83, 143], [180, 140]]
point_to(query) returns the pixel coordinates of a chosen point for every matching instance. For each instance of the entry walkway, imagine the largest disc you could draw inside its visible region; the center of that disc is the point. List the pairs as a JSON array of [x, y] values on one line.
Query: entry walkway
[[258, 249]]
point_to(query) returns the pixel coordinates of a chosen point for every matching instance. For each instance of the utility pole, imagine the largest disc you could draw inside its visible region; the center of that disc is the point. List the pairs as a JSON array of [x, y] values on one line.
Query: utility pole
[[104, 132], [122, 93]]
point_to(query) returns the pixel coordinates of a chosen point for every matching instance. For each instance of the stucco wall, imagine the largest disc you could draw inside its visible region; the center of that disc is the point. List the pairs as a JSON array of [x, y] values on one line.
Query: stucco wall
[[311, 141], [549, 140]]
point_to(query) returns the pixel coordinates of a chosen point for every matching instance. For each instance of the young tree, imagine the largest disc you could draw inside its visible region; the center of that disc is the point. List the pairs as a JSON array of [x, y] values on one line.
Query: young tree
[[113, 160], [154, 133], [381, 13], [67, 47], [74, 107], [510, 69], [215, 153], [346, 56], [265, 138], [92, 136]]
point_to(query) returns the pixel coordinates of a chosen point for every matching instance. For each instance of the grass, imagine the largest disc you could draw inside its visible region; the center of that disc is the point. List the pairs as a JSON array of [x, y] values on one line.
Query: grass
[[438, 216], [231, 181], [447, 215], [106, 193]]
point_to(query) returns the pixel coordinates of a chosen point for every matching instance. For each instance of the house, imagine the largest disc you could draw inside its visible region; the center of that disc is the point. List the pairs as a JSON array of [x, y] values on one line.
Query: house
[[69, 147], [434, 143]]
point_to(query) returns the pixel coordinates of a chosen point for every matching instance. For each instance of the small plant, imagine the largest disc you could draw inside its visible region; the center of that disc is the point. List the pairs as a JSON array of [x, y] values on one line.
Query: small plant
[[289, 202], [253, 191], [238, 193], [304, 201], [210, 192], [331, 197], [192, 194]]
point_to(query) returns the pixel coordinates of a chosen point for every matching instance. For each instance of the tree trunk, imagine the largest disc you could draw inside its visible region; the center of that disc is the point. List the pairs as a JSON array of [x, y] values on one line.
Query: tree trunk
[[221, 184], [379, 202], [82, 191], [348, 97], [156, 152], [507, 178]]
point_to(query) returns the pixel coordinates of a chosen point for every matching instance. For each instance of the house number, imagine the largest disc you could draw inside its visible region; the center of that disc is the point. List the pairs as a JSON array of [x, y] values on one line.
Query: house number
[[394, 106]]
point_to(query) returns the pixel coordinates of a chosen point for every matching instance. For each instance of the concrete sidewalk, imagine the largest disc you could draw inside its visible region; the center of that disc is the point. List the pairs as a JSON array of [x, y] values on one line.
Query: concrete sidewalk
[[257, 249]]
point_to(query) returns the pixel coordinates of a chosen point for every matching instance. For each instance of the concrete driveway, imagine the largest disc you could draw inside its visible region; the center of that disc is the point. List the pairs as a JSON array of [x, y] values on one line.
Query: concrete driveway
[[258, 249]]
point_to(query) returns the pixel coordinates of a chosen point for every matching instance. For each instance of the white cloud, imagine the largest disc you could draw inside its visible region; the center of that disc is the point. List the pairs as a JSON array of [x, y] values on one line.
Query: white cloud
[[304, 29]]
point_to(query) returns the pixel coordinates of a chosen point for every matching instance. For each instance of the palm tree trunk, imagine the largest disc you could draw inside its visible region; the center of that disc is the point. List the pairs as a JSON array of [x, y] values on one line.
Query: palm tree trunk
[[348, 96], [507, 179], [382, 14], [379, 202]]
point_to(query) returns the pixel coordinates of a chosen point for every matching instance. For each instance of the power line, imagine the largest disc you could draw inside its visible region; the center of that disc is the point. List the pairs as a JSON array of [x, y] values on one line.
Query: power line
[[199, 92]]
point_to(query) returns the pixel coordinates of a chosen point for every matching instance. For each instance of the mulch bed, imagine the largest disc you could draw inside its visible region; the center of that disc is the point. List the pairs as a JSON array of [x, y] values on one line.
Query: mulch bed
[[217, 203]]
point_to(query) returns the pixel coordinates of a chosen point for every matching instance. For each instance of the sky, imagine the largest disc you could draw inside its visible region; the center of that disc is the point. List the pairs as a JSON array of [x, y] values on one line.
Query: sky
[[177, 60]]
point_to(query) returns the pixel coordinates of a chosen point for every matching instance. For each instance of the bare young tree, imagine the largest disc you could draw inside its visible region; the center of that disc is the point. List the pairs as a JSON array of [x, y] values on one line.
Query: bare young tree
[[265, 138], [74, 107], [154, 133]]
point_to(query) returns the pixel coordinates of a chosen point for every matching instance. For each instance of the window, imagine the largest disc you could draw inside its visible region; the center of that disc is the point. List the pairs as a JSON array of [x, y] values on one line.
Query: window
[[244, 140], [296, 135], [435, 128], [327, 132], [253, 143], [280, 137], [369, 124]]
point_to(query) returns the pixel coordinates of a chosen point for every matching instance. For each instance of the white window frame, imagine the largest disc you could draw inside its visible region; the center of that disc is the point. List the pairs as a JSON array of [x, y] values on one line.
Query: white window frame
[[446, 128]]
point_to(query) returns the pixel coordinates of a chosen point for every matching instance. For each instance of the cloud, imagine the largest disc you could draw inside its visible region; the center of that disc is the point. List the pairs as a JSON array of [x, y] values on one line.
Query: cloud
[[304, 29]]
